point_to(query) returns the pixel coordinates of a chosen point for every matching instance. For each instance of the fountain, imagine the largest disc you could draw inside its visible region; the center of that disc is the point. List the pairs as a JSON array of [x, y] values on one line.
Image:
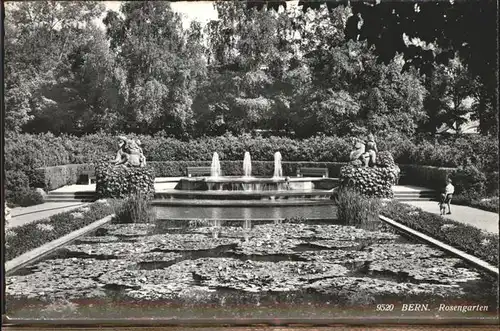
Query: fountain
[[247, 190], [215, 167], [278, 169], [247, 165]]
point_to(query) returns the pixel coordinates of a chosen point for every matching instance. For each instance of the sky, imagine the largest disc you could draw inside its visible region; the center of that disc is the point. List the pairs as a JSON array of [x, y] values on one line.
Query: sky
[[201, 11]]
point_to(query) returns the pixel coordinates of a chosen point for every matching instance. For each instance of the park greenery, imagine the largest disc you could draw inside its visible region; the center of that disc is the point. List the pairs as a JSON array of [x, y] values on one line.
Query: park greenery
[[310, 77]]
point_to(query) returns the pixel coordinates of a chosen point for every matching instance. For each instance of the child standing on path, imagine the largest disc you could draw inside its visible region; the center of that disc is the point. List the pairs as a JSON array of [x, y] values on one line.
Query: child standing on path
[[448, 191]]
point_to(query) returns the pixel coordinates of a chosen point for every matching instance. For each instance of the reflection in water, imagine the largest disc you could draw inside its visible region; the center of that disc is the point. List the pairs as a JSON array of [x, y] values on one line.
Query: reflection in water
[[239, 213]]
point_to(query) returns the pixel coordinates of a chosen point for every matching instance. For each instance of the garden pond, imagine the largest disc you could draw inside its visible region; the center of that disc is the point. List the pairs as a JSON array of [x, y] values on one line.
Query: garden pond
[[242, 269]]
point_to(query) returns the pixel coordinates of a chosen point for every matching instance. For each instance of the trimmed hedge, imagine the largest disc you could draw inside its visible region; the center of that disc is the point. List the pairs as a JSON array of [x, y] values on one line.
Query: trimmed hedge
[[431, 177], [120, 181], [33, 151], [51, 178], [25, 153], [465, 237], [19, 240]]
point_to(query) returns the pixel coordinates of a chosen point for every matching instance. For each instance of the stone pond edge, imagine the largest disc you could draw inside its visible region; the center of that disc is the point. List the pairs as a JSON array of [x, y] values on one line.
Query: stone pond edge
[[24, 259], [469, 258]]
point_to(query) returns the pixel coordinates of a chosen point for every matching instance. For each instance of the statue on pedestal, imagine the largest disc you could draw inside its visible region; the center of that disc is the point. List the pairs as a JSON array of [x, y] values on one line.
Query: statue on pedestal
[[130, 153], [365, 152], [371, 151], [356, 155]]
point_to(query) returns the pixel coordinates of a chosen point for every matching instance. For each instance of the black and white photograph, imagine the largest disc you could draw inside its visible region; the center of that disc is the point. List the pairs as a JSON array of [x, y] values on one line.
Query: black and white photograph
[[274, 162]]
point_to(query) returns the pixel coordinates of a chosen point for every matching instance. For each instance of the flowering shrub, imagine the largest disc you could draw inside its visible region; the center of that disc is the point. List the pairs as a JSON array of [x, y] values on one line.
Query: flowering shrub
[[372, 182], [121, 182]]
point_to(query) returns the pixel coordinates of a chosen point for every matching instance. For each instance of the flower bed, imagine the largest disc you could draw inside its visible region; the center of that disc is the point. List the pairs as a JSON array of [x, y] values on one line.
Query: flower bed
[[465, 237], [22, 239]]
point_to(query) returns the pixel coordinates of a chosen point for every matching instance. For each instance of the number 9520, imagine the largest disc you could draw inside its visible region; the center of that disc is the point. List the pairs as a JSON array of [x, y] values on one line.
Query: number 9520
[[385, 307]]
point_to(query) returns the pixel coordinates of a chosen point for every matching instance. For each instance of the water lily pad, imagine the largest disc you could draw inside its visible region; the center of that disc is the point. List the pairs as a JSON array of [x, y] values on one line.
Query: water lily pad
[[332, 243], [186, 242], [399, 251], [130, 230], [334, 256], [353, 285], [342, 232], [286, 230], [253, 276], [64, 278], [173, 279], [264, 246], [98, 239], [154, 257], [169, 291], [433, 269], [116, 249]]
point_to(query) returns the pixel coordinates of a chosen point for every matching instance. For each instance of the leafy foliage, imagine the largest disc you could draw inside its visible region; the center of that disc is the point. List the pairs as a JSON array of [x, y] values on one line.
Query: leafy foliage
[[122, 182], [24, 197], [355, 209], [135, 209]]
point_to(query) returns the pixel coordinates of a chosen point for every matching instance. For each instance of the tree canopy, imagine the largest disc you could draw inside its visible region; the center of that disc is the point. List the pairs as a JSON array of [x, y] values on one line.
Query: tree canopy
[[324, 67]]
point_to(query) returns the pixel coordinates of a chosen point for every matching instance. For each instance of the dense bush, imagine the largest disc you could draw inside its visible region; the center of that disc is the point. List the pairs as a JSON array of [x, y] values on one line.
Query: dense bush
[[355, 209], [469, 181], [33, 151], [488, 204], [120, 181], [51, 178], [385, 159], [465, 237], [16, 180], [373, 182], [27, 237], [24, 198], [135, 209]]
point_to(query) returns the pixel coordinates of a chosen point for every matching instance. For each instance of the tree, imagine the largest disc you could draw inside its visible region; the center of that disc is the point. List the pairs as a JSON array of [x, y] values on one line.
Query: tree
[[162, 64], [441, 29], [450, 93], [39, 38]]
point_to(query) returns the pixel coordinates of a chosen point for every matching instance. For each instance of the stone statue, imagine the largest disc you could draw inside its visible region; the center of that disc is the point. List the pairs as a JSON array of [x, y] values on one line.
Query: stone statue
[[359, 150], [130, 153], [371, 151], [364, 153]]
